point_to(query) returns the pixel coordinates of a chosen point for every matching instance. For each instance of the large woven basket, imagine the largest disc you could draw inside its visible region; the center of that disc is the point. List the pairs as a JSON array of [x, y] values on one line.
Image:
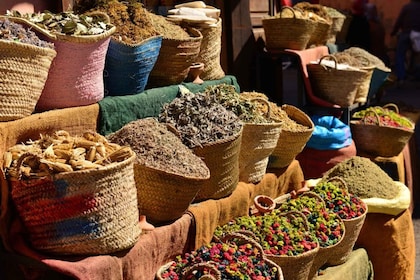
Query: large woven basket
[[76, 74], [127, 67], [24, 70], [338, 86], [222, 159], [287, 32], [174, 60], [291, 143], [92, 211], [364, 87], [210, 51], [337, 19], [258, 142], [164, 196], [378, 139], [319, 36]]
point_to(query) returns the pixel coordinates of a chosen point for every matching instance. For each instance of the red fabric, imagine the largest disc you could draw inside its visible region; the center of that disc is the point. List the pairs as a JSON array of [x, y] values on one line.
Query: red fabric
[[316, 162], [286, 3]]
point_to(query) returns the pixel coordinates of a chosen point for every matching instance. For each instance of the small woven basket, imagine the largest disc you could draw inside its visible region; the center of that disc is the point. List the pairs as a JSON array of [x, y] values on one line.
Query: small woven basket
[[164, 196], [24, 70], [336, 26], [76, 74], [287, 32], [291, 143], [378, 139], [338, 86], [319, 36], [87, 212], [174, 60], [127, 67], [222, 159]]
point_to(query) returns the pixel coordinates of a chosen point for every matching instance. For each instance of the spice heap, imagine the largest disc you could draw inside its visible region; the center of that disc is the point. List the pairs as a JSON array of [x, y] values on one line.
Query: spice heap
[[61, 152], [364, 178], [157, 147], [234, 262], [68, 23], [277, 234], [131, 19], [15, 32], [324, 225], [199, 119], [168, 29], [339, 201]]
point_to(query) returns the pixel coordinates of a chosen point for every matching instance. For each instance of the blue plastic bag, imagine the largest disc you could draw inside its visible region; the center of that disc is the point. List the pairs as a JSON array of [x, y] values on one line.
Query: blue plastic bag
[[329, 134]]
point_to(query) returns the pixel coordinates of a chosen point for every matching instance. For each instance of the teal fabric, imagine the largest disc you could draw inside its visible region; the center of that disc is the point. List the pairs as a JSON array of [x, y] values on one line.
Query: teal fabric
[[116, 111], [329, 134]]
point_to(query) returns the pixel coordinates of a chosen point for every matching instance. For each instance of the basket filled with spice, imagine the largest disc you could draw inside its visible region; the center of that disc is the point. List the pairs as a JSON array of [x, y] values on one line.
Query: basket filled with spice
[[168, 174], [381, 131], [75, 195], [81, 42], [213, 133], [25, 63]]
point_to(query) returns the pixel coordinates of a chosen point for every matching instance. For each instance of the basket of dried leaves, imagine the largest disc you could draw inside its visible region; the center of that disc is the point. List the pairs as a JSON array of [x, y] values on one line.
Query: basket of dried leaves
[[81, 41], [76, 195], [168, 174], [25, 62]]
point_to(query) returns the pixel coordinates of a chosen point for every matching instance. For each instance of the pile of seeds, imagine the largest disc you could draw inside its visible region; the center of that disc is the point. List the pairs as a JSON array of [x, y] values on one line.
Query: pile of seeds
[[199, 119], [15, 32], [364, 178], [157, 147], [67, 22]]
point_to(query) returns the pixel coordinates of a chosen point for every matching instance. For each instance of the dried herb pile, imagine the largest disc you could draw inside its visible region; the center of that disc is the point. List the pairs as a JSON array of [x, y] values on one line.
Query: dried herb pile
[[364, 178], [199, 119], [131, 19], [157, 147], [168, 29], [15, 32]]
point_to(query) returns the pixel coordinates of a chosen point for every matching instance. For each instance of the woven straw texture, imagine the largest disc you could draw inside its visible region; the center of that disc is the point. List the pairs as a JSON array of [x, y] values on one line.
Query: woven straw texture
[[127, 67], [291, 143], [363, 90], [163, 196], [80, 213], [296, 267], [335, 28], [174, 60], [378, 139], [23, 71], [287, 33], [258, 142], [338, 86], [319, 36], [222, 159], [210, 50]]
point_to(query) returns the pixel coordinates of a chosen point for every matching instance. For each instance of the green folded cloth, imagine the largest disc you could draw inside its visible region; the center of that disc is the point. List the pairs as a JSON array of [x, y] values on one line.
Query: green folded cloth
[[116, 111]]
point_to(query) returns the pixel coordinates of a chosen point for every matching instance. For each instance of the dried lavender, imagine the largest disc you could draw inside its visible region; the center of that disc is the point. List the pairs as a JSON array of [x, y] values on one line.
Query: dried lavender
[[199, 119], [12, 31]]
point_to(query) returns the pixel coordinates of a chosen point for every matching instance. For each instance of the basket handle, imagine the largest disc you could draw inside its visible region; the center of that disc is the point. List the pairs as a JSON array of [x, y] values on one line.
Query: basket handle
[[392, 106], [288, 8], [369, 112], [333, 58], [266, 103], [293, 214], [243, 236], [314, 195], [341, 183], [211, 266]]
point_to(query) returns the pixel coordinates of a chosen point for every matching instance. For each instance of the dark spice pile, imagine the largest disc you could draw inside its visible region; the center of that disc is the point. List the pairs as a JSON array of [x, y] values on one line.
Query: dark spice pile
[[157, 147], [199, 119], [364, 178], [12, 31]]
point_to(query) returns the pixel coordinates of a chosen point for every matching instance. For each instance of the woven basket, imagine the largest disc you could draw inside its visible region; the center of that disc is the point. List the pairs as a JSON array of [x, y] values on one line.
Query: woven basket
[[174, 60], [379, 140], [258, 142], [87, 212], [319, 36], [76, 74], [164, 196], [287, 33], [127, 67], [335, 28], [363, 90], [296, 267], [291, 143], [24, 70], [210, 50], [222, 159], [338, 86]]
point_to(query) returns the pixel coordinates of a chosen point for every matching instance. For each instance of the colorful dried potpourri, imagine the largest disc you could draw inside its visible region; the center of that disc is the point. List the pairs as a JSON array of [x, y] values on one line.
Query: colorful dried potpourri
[[234, 261], [199, 119], [15, 32], [277, 234], [338, 200], [324, 225], [383, 116]]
